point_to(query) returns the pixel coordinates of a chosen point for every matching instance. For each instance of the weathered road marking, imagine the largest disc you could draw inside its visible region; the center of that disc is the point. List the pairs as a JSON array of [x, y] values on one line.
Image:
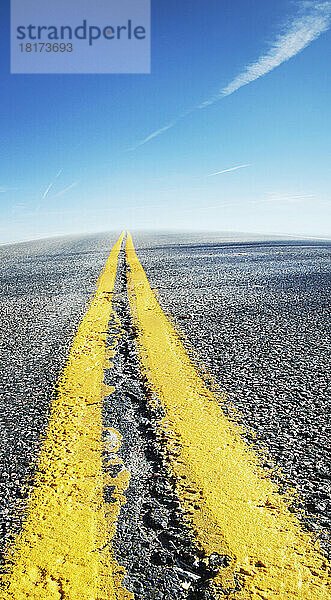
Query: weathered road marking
[[63, 549], [234, 506]]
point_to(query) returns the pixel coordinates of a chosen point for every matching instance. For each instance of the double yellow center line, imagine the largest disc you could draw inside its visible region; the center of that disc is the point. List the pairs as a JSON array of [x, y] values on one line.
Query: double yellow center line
[[64, 549]]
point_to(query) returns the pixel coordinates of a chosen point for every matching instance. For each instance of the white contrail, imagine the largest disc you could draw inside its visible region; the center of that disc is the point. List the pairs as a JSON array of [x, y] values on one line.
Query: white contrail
[[155, 134], [297, 34], [4, 190], [46, 192], [162, 129], [69, 187], [228, 170]]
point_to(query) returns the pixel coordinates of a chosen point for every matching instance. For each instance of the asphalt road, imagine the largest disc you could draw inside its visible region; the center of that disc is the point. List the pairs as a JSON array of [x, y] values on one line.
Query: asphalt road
[[254, 313], [257, 316], [44, 289]]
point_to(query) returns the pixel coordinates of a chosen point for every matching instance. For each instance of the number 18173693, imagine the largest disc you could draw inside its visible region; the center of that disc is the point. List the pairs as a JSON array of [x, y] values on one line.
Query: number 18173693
[[46, 47]]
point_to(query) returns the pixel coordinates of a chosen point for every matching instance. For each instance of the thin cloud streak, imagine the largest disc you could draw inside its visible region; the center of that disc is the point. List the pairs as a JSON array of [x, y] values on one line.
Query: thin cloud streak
[[155, 134], [288, 197], [69, 187], [228, 170], [4, 190], [297, 35], [163, 129], [313, 20], [46, 192]]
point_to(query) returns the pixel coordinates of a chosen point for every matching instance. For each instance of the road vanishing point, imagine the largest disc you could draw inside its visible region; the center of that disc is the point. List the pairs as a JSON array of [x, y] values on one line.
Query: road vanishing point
[[146, 483]]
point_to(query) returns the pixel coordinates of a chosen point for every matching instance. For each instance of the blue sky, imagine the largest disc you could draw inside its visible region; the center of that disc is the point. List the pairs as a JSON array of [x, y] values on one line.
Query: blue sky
[[86, 136]]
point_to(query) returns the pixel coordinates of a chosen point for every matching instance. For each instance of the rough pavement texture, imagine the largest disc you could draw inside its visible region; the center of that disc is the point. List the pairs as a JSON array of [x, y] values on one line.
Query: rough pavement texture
[[44, 289], [152, 542], [257, 314]]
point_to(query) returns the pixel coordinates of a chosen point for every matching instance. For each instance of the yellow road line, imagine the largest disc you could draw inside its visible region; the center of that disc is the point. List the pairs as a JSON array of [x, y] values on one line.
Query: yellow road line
[[234, 506], [63, 550]]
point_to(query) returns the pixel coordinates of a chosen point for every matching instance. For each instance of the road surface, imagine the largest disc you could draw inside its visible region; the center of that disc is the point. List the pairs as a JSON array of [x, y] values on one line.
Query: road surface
[[213, 407]]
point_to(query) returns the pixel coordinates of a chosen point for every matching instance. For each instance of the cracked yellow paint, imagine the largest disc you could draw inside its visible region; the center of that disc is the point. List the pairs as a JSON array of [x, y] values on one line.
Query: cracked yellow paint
[[233, 505], [63, 550]]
